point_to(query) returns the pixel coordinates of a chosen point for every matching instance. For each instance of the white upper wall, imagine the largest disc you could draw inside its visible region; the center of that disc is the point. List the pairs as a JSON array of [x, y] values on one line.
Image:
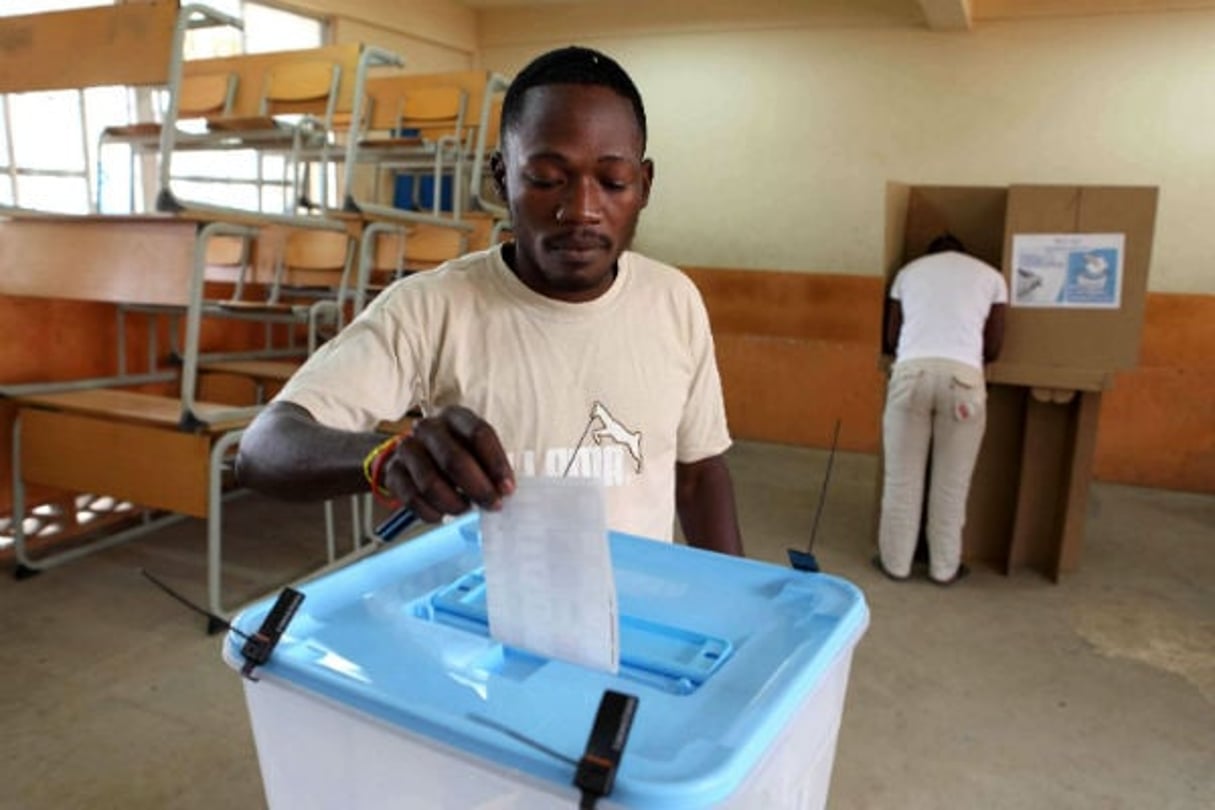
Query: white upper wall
[[441, 22], [432, 35], [773, 147], [420, 55]]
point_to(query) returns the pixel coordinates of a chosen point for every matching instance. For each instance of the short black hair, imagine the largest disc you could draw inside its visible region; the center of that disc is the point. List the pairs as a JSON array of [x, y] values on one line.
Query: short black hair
[[945, 242], [571, 65]]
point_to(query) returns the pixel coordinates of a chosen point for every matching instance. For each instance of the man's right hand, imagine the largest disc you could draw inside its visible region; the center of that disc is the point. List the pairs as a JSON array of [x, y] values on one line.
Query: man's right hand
[[448, 462]]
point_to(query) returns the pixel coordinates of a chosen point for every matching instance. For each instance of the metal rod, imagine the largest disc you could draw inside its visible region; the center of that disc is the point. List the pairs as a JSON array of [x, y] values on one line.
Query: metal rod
[[822, 495]]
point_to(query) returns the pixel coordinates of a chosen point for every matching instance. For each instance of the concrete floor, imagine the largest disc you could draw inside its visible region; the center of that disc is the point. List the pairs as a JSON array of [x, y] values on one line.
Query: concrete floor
[[996, 693]]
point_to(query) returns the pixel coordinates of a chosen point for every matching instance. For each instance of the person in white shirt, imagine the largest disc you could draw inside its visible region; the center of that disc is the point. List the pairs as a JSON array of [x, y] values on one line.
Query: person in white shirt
[[945, 320], [558, 353]]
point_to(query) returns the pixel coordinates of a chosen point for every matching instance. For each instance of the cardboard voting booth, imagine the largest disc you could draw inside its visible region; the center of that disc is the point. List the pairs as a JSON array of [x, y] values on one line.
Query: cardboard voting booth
[[388, 691], [1076, 262]]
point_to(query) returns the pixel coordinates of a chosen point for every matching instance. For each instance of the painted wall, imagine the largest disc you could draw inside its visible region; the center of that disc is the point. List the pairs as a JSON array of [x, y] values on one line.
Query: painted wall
[[439, 22], [773, 145], [420, 55]]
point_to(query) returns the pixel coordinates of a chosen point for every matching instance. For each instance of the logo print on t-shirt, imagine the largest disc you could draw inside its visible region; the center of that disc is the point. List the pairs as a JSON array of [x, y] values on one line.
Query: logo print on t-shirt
[[615, 431], [606, 461]]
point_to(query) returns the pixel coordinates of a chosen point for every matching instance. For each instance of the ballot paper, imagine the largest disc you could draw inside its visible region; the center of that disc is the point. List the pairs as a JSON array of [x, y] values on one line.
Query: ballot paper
[[548, 572]]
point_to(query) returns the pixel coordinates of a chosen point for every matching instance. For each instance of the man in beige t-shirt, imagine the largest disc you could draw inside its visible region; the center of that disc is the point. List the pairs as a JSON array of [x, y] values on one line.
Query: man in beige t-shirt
[[558, 353]]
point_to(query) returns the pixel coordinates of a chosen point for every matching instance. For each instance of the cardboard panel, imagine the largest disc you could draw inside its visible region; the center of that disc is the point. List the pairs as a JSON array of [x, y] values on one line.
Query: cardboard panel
[[1129, 210], [898, 199], [1085, 340], [1042, 491], [1083, 440], [991, 507], [974, 214], [91, 47], [154, 467], [1050, 376]]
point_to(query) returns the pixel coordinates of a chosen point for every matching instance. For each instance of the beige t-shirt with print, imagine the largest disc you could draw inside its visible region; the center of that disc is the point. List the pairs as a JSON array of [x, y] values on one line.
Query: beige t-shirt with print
[[628, 381]]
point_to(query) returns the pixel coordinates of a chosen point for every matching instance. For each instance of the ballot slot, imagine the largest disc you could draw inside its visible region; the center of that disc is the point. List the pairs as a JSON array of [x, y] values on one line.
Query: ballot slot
[[651, 652]]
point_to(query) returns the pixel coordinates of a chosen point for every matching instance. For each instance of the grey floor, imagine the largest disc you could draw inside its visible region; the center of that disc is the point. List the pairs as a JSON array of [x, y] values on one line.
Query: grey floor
[[1000, 692]]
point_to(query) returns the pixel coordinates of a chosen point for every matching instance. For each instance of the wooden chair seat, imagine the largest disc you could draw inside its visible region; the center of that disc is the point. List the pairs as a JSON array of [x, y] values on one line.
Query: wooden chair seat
[[146, 129], [199, 96], [265, 307], [262, 370], [250, 123], [403, 142], [134, 407]]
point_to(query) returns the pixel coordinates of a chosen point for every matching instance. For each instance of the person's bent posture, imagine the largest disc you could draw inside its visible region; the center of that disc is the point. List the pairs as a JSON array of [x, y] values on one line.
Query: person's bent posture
[[559, 353], [946, 319]]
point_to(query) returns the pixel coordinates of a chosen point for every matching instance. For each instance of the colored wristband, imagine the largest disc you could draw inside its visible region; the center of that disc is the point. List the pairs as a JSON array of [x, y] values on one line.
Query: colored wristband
[[373, 468]]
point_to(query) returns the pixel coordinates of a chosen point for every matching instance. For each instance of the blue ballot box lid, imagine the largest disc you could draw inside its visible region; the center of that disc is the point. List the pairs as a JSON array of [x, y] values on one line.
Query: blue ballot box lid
[[721, 652]]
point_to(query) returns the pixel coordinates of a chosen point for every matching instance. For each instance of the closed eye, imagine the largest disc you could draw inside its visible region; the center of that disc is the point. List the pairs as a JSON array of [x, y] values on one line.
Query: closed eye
[[617, 180], [541, 182]]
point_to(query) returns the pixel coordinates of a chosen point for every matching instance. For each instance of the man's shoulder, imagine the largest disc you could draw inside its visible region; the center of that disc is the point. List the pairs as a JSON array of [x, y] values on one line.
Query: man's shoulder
[[651, 274], [453, 276], [471, 266]]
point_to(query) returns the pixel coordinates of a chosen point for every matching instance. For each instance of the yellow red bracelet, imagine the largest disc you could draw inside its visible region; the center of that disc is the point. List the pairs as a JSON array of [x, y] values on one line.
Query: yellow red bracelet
[[373, 464]]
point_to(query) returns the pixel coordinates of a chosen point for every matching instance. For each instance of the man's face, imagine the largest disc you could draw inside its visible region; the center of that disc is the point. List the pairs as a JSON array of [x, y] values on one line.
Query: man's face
[[573, 175]]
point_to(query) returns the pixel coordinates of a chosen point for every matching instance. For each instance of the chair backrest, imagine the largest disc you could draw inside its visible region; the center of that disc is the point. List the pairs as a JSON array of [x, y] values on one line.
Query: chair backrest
[[230, 261], [225, 251], [290, 86], [433, 112], [205, 95], [253, 80], [416, 247], [428, 246], [385, 93], [484, 138], [493, 127], [387, 260], [316, 258], [430, 104]]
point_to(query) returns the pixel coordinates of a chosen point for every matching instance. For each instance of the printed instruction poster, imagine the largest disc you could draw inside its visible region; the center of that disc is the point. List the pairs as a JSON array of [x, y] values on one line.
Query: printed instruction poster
[[1072, 270]]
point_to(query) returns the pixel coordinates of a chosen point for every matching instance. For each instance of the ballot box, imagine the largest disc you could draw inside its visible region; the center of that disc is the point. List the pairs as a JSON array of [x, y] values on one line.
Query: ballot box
[[386, 689]]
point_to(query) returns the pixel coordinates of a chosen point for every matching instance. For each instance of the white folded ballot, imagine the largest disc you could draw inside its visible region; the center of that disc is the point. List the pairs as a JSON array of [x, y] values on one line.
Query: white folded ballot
[[548, 572]]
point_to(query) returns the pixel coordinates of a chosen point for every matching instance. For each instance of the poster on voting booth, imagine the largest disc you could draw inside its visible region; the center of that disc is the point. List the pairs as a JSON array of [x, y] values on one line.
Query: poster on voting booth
[[1067, 270]]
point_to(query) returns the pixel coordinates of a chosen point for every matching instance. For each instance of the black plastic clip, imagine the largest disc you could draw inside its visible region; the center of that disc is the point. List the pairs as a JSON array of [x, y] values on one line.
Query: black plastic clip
[[394, 524], [596, 773], [258, 646]]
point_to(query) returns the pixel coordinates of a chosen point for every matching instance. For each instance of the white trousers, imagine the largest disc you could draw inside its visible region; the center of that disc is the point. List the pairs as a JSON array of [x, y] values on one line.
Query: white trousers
[[938, 403]]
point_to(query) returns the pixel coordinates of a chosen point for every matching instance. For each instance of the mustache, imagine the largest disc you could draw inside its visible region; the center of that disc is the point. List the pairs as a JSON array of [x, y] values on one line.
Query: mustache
[[582, 238]]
